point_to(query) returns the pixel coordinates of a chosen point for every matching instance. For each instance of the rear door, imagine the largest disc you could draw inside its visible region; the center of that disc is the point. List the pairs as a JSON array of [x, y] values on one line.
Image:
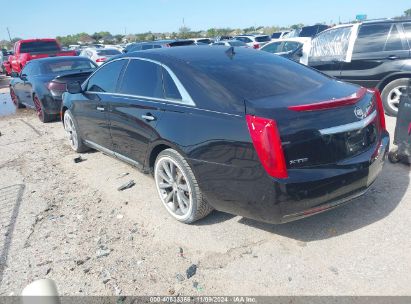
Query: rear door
[[407, 33], [330, 49], [90, 108], [136, 109], [379, 50]]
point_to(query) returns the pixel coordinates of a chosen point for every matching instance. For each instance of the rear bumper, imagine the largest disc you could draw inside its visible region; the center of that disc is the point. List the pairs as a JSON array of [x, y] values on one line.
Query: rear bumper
[[251, 193]]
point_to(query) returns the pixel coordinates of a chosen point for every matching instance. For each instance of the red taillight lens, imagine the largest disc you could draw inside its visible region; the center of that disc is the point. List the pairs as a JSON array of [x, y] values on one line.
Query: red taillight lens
[[256, 46], [102, 59], [57, 86], [380, 108], [267, 143], [330, 104]]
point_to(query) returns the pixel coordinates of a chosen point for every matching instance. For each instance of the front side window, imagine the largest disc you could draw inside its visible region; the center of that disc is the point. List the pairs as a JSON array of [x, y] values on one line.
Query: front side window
[[290, 46], [142, 78], [407, 30], [331, 45], [371, 38], [273, 47], [106, 78]]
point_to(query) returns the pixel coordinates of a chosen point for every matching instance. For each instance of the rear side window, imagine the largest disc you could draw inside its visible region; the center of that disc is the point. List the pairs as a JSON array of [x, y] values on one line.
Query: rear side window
[[394, 42], [170, 88], [371, 38], [142, 78], [105, 79], [407, 30]]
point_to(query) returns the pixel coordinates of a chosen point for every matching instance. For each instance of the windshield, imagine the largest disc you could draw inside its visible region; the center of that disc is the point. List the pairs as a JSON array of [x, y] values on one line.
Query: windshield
[[39, 47], [262, 39], [67, 65], [276, 35], [108, 52]]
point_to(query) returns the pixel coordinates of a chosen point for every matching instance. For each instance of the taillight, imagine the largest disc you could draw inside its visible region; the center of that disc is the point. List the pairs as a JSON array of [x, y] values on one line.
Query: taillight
[[380, 108], [256, 46], [330, 104], [56, 88], [101, 59], [267, 143]]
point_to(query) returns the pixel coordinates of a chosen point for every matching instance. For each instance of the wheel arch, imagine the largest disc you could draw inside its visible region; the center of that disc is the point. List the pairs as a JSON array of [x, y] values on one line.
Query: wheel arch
[[382, 84], [155, 149]]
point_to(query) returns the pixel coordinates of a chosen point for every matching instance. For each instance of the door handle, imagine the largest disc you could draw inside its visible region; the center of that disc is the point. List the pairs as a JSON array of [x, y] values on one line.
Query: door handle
[[392, 57], [148, 117], [100, 108]]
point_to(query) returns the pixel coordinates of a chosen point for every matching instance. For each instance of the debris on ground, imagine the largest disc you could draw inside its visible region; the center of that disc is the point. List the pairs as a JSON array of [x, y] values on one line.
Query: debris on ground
[[179, 277], [197, 286], [102, 253], [181, 252], [78, 159], [122, 175], [191, 271], [119, 216], [127, 185]]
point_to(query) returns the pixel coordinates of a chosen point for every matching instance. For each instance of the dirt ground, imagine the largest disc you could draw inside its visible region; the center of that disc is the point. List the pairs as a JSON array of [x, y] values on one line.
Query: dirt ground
[[67, 221]]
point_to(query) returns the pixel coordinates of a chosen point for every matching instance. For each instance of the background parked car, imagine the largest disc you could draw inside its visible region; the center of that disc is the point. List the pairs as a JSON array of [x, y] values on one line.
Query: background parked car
[[202, 40], [288, 48], [307, 31], [371, 54], [254, 41], [43, 81], [233, 42], [279, 35], [157, 44], [100, 55], [222, 134]]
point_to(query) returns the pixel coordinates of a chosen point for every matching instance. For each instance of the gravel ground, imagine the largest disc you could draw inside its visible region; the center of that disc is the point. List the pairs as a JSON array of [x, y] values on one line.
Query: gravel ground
[[67, 221]]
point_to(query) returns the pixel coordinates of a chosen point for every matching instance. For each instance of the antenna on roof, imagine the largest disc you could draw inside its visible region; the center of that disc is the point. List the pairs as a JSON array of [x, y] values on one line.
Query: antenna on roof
[[230, 52]]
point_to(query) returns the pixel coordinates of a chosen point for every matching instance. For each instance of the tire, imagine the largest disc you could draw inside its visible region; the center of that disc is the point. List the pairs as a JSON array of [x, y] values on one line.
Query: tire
[[43, 116], [15, 99], [178, 188], [393, 156], [391, 95], [71, 128]]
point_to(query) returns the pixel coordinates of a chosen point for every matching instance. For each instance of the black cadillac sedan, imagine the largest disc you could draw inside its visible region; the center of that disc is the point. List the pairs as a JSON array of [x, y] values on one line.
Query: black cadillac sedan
[[232, 129], [42, 82]]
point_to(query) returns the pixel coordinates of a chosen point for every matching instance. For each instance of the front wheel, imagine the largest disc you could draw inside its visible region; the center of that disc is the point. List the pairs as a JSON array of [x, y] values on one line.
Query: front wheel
[[178, 188], [73, 136]]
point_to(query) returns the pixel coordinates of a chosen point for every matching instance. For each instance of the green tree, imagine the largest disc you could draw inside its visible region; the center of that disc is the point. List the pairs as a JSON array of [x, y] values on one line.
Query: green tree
[[184, 32], [407, 13], [296, 26]]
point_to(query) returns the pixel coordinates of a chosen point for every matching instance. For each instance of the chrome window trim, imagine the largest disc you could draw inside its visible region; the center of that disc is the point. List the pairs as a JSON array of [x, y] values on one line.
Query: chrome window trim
[[186, 98], [351, 126]]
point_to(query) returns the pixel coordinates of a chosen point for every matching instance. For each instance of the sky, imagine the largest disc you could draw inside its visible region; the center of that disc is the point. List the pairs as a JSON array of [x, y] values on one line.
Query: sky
[[50, 18]]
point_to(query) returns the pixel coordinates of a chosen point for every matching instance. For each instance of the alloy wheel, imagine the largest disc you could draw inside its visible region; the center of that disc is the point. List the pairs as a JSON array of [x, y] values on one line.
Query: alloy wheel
[[393, 98], [174, 190], [70, 129]]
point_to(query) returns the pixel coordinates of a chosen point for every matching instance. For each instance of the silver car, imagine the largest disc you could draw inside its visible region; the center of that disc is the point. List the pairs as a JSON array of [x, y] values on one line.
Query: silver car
[[100, 55]]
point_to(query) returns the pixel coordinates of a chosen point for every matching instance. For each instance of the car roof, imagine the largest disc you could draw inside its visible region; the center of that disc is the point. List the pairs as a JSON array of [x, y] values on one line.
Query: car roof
[[387, 21]]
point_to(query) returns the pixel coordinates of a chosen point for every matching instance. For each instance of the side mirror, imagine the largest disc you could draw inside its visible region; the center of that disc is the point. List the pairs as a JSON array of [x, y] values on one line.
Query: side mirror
[[23, 77], [74, 87], [14, 74]]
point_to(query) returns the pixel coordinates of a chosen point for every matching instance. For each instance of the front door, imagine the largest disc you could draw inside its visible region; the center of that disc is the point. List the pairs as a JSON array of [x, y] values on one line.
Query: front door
[[91, 107]]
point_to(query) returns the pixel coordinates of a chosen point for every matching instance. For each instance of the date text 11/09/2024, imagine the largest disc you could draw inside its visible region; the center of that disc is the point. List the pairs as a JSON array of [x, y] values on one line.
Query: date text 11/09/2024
[[203, 299]]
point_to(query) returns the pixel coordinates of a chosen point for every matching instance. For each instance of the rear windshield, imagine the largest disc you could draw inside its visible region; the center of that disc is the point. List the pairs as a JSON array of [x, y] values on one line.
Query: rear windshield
[[39, 47], [236, 43], [67, 65], [262, 38], [182, 43], [311, 31], [207, 41], [276, 35], [259, 76], [108, 52]]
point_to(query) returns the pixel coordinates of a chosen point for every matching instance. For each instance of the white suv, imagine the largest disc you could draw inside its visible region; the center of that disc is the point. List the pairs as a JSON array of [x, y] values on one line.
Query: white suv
[[254, 41]]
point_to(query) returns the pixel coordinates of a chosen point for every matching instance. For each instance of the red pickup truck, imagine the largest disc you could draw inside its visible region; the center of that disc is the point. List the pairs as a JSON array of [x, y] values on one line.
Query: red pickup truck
[[26, 50]]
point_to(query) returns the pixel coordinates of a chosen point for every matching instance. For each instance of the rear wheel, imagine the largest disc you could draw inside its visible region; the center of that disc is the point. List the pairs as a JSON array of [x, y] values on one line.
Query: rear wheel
[[70, 126], [43, 116], [178, 188], [393, 156], [15, 99], [391, 95]]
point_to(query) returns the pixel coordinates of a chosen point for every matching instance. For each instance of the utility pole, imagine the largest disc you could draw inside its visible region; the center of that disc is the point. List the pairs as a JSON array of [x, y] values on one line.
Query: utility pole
[[8, 31]]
